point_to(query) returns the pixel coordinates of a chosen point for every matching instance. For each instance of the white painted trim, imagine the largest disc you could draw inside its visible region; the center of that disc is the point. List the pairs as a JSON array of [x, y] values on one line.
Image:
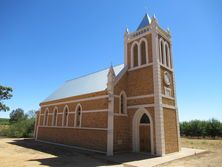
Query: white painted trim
[[132, 54], [124, 102], [78, 100], [70, 146], [168, 54], [167, 97], [80, 116], [37, 130], [135, 129], [158, 110], [139, 36], [162, 65], [118, 114], [168, 106], [163, 33], [140, 97], [116, 96], [71, 127], [165, 91], [125, 49], [73, 112], [139, 67], [110, 120], [92, 111], [141, 106]]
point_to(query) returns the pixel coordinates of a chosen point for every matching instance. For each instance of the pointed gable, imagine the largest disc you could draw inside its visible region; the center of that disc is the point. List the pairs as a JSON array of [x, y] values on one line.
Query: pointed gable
[[145, 22]]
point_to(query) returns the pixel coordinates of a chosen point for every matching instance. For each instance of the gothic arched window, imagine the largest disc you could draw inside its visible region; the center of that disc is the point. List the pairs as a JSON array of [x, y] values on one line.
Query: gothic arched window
[[46, 117], [162, 52], [78, 115], [54, 120], [65, 116], [143, 52], [123, 103], [135, 55]]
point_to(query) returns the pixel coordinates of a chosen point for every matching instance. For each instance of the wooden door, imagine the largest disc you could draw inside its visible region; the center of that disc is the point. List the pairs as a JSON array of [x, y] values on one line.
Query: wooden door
[[145, 144]]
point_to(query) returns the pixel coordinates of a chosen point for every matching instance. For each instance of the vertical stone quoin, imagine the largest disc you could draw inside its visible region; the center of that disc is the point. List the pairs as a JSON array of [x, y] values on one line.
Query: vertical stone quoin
[[110, 90], [159, 125]]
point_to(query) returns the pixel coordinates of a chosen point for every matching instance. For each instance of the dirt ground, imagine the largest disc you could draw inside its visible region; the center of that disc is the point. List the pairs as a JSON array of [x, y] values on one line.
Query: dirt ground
[[211, 158], [27, 152]]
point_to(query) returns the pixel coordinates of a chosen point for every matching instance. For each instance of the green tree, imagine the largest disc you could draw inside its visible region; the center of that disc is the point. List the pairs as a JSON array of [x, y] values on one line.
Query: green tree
[[214, 128], [17, 115], [5, 93]]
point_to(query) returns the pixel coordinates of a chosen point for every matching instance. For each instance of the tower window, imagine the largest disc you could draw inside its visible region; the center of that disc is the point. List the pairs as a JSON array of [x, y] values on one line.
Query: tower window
[[162, 52], [143, 52], [135, 56]]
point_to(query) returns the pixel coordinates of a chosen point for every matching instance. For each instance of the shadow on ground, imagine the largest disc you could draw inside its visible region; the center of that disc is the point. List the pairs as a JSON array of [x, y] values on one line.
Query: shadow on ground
[[66, 157]]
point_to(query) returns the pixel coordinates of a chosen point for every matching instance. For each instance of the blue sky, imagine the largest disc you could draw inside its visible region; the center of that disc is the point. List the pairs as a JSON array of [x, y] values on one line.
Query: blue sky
[[44, 43]]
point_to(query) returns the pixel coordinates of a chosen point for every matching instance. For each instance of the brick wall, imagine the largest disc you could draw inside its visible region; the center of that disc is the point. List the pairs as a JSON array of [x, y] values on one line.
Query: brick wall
[[91, 139], [170, 128]]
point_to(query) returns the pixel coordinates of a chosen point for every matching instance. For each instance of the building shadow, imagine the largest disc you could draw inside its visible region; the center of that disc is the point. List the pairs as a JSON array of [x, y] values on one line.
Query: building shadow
[[67, 157]]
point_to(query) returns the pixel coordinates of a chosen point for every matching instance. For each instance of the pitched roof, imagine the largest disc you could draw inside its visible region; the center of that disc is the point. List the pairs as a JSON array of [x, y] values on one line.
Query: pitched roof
[[145, 22], [86, 84]]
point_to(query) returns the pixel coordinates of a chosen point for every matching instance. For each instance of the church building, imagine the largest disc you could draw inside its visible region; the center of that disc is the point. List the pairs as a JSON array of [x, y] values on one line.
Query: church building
[[126, 108]]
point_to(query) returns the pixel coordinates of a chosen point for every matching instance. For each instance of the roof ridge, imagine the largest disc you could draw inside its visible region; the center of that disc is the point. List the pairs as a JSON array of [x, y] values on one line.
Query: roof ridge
[[92, 73]]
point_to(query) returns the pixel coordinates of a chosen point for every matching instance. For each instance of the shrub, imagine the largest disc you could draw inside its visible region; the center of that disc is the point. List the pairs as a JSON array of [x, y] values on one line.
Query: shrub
[[22, 128]]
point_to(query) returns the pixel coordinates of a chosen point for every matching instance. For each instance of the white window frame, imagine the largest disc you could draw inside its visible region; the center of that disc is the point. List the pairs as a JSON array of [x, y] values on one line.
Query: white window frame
[[45, 123]]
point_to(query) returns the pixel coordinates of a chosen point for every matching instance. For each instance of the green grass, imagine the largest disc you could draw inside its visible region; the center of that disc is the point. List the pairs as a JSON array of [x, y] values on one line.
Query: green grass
[[4, 121]]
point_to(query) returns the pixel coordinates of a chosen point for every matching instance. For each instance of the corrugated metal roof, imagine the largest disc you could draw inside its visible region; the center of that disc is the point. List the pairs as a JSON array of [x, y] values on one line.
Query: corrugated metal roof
[[145, 22], [86, 84]]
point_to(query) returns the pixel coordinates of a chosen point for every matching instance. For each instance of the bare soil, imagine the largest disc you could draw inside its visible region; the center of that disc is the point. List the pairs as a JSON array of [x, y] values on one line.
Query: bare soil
[[211, 158], [27, 152]]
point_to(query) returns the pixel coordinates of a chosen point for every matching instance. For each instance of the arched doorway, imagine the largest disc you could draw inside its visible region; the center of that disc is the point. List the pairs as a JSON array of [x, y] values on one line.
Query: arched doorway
[[144, 134], [142, 130]]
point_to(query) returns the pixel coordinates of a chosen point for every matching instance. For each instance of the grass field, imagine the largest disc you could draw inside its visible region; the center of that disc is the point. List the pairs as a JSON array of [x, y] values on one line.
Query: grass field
[[4, 121]]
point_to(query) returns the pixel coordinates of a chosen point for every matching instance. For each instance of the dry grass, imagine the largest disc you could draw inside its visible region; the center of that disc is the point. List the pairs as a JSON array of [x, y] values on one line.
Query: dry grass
[[211, 158]]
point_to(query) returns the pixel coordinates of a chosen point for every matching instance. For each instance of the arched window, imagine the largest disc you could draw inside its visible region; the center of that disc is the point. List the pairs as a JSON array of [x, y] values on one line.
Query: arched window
[[54, 120], [78, 115], [162, 52], [65, 116], [135, 55], [123, 103], [168, 59], [144, 119], [143, 52], [46, 117]]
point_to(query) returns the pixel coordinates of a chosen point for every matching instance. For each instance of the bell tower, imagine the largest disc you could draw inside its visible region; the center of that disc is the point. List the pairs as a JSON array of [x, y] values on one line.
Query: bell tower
[[148, 51]]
